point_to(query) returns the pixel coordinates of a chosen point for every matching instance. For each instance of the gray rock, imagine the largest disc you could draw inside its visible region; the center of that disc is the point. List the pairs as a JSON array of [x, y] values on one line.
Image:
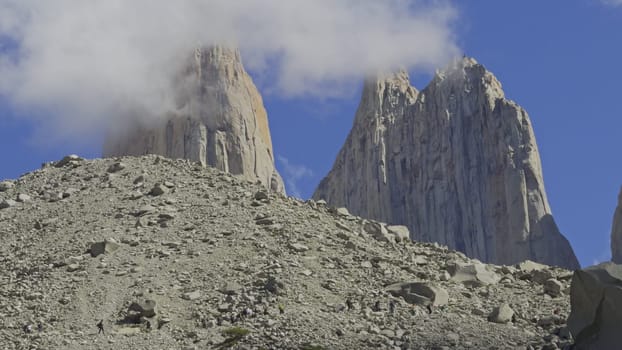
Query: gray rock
[[457, 163], [7, 203], [274, 286], [553, 287], [106, 247], [378, 231], [501, 314], [231, 288], [6, 185], [529, 266], [158, 190], [23, 198], [192, 295], [401, 232], [420, 293], [540, 276], [70, 160], [116, 167], [145, 209], [342, 211], [73, 267], [475, 274], [299, 248], [145, 308], [220, 121], [596, 307]]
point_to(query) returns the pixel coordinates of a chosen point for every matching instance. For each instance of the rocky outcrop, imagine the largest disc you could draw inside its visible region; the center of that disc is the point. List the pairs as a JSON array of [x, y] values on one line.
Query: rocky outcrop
[[457, 163], [616, 233], [220, 122], [596, 307]]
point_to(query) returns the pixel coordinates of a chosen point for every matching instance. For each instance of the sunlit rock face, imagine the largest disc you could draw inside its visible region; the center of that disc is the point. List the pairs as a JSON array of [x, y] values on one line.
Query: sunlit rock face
[[456, 162], [220, 121]]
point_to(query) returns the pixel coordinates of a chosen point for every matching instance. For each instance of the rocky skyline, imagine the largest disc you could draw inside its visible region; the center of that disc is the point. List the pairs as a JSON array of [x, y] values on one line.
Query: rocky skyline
[[456, 162], [544, 65]]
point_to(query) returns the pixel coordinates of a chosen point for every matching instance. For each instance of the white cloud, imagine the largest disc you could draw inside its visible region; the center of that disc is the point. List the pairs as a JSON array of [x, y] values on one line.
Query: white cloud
[[83, 64], [292, 174], [612, 2]]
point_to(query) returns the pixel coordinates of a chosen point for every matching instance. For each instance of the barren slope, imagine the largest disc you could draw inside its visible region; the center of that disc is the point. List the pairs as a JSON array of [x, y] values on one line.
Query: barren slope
[[212, 248]]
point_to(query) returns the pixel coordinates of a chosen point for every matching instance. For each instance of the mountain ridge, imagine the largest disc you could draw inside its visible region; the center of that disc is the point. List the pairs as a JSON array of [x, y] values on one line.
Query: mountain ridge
[[458, 165]]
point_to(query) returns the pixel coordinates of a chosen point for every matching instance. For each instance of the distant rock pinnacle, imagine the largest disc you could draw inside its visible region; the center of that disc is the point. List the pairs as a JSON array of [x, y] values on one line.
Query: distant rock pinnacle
[[616, 233], [221, 122], [457, 163]]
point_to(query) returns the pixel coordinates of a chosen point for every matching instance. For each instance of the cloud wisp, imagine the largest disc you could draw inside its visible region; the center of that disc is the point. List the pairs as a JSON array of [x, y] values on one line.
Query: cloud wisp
[[82, 65], [292, 174]]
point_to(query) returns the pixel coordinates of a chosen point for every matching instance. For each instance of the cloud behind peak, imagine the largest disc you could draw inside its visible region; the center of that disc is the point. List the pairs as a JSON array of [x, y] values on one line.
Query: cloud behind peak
[[82, 64]]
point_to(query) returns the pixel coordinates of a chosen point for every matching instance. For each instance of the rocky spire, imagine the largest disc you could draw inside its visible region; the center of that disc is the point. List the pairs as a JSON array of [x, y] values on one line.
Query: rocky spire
[[220, 122], [457, 163], [616, 233]]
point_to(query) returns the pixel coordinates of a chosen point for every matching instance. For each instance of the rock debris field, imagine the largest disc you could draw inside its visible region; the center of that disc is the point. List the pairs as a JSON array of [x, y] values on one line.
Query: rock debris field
[[172, 255]]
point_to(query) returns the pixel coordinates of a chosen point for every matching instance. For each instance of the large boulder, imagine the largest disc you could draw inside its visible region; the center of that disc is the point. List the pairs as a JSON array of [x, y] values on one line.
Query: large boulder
[[378, 231], [145, 308], [419, 293], [474, 274], [596, 307], [105, 247], [401, 232], [6, 185]]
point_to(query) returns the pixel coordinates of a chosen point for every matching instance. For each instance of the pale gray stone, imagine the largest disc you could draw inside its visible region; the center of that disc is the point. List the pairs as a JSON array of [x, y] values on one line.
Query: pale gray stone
[[23, 198], [475, 274], [298, 247], [457, 163], [220, 121], [191, 295], [106, 247], [529, 266], [5, 185], [501, 314], [401, 232], [420, 293], [553, 287], [7, 203]]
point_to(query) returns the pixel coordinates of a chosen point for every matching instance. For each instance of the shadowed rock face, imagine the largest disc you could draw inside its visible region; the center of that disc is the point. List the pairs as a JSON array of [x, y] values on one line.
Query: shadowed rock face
[[220, 121], [616, 233], [457, 163], [596, 299]]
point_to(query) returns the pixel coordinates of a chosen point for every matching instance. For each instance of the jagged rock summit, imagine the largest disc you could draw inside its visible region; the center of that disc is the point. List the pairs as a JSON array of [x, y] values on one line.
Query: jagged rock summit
[[220, 121], [616, 233], [457, 163]]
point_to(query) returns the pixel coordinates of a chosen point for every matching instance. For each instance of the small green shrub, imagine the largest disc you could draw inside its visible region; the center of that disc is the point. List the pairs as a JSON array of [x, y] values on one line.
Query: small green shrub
[[233, 334]]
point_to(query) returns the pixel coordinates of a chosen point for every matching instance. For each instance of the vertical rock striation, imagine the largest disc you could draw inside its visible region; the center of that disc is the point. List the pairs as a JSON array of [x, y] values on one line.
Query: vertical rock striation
[[220, 122], [616, 233], [457, 163]]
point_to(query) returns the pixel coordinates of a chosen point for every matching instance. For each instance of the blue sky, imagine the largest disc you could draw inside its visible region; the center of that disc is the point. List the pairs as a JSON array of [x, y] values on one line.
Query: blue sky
[[560, 60]]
